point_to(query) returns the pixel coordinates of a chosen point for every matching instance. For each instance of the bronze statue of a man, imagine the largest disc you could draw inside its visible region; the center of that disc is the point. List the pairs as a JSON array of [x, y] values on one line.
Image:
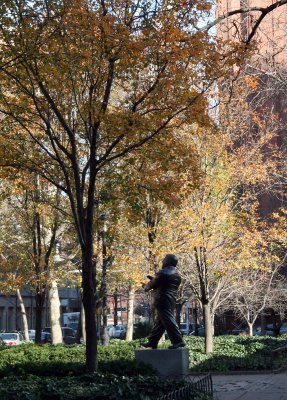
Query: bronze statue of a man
[[165, 285]]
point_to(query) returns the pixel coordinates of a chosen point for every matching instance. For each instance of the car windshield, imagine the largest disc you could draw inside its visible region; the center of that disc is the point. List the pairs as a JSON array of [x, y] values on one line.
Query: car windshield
[[8, 336]]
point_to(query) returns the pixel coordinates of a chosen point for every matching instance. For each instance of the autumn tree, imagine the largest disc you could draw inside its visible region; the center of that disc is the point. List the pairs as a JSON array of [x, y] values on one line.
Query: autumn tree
[[31, 225], [207, 226], [11, 282], [85, 83], [130, 266], [253, 295], [259, 265]]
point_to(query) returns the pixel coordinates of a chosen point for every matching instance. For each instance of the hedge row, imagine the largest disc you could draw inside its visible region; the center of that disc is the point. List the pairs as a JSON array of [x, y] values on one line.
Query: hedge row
[[230, 353], [63, 360], [238, 353], [85, 387]]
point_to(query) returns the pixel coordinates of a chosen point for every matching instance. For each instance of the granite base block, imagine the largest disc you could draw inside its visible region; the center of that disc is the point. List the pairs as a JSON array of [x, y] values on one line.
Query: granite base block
[[173, 363]]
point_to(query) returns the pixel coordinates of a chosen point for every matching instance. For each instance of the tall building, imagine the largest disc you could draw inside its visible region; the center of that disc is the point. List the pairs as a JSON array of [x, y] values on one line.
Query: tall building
[[271, 34], [268, 65]]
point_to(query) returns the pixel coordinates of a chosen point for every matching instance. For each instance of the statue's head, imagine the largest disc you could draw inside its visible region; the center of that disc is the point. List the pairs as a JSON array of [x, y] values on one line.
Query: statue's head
[[169, 259]]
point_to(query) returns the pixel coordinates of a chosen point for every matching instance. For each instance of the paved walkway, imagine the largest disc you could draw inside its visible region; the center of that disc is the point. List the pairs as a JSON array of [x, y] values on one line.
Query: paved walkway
[[250, 387]]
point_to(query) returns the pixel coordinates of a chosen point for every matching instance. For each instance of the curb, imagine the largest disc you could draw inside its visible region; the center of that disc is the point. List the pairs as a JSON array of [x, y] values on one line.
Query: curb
[[248, 372]]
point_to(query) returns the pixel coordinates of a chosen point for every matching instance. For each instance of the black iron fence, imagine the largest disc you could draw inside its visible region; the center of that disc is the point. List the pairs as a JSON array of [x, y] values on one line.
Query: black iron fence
[[199, 388]]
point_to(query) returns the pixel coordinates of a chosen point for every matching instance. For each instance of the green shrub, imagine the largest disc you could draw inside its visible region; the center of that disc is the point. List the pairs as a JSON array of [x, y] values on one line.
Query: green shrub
[[236, 353], [230, 353], [63, 360], [42, 360], [15, 388], [88, 387]]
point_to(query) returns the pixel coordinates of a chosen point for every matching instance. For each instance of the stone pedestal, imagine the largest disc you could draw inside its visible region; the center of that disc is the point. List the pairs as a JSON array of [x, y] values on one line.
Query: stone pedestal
[[173, 363]]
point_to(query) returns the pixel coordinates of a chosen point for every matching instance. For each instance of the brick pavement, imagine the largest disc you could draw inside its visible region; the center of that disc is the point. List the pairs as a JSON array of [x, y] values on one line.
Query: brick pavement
[[250, 387]]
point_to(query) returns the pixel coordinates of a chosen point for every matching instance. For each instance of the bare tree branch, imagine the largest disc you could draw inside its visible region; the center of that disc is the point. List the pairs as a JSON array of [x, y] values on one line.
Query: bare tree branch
[[263, 10]]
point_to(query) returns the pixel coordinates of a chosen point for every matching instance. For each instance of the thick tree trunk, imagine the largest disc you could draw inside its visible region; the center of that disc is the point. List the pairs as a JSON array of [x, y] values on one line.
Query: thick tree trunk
[[55, 317], [130, 322], [23, 315], [208, 329]]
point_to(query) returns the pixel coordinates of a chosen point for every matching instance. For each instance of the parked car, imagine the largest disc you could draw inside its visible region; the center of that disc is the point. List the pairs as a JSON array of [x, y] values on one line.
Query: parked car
[[68, 334], [283, 329], [120, 332], [32, 334], [74, 326], [46, 337], [240, 331], [200, 331], [12, 338], [271, 331], [111, 330], [186, 329]]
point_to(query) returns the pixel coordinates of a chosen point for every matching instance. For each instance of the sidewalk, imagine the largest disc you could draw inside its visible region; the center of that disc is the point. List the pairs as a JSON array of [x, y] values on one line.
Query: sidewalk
[[250, 387]]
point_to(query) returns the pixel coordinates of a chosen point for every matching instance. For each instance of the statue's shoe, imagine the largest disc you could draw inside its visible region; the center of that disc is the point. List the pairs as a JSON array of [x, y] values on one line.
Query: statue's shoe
[[177, 345], [148, 345]]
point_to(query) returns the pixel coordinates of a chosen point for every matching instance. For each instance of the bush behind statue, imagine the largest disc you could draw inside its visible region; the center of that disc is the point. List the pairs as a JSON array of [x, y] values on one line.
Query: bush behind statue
[[230, 353], [63, 360]]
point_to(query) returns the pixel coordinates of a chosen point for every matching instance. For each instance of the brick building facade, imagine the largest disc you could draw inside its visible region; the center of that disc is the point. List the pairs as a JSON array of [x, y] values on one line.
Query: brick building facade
[[269, 65]]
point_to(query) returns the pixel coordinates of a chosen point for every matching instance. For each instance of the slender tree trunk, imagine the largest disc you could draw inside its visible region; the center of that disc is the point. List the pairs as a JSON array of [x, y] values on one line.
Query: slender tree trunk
[[55, 317], [263, 323], [250, 329], [105, 335], [153, 312], [178, 308], [208, 328], [83, 322], [40, 300], [212, 318], [130, 322], [23, 315], [116, 309], [89, 301]]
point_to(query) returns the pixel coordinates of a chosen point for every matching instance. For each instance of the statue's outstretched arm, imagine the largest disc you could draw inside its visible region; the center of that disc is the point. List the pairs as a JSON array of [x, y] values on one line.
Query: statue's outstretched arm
[[153, 283]]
